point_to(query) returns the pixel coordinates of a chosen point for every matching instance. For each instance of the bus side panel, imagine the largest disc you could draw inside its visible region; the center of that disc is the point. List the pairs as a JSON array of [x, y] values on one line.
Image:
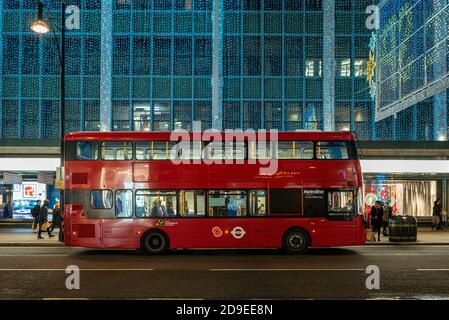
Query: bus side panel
[[223, 232]]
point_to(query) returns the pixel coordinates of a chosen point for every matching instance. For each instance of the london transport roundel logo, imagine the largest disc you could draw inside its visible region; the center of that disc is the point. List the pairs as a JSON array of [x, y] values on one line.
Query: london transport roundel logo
[[217, 232], [238, 232]]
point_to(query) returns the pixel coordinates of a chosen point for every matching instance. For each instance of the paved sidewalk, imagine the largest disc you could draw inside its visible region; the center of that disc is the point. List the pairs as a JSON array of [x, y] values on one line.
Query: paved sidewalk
[[26, 238], [425, 237]]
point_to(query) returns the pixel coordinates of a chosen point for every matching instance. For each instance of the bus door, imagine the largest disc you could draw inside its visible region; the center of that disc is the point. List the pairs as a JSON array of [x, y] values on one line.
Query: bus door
[[331, 213]]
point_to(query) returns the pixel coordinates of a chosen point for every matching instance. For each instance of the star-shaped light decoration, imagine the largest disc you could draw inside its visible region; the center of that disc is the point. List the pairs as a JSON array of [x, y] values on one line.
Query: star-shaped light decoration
[[371, 65]]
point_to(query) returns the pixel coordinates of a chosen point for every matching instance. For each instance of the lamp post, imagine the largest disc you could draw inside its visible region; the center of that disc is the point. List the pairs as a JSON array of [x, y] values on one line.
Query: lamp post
[[40, 26]]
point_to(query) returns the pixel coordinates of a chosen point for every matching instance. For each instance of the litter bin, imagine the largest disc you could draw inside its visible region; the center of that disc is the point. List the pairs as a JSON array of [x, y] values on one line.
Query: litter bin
[[403, 228]]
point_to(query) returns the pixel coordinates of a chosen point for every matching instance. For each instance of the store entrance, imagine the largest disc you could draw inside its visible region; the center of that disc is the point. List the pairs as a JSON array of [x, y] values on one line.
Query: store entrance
[[17, 200]]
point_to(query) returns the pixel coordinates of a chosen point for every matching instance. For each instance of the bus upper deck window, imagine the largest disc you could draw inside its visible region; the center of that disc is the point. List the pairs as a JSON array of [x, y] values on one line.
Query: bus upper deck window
[[116, 150], [86, 150], [332, 150]]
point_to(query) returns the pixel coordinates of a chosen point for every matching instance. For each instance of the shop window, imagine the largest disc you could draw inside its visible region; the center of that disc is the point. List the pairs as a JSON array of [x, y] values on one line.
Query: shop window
[[152, 204], [333, 150], [116, 150], [124, 204], [314, 203], [285, 201], [86, 150], [101, 199], [257, 203], [192, 203], [227, 203]]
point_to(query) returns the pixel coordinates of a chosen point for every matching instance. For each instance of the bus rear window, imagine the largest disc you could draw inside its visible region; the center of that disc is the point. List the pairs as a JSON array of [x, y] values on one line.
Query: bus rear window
[[332, 150], [86, 150]]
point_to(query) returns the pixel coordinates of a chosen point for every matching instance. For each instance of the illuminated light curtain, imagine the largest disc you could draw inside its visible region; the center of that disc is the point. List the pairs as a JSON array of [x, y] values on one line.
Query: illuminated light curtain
[[418, 197], [413, 53]]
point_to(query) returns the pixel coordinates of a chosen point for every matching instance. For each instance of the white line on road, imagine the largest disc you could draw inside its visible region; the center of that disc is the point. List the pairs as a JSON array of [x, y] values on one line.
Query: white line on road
[[45, 270], [237, 270], [430, 270], [35, 255]]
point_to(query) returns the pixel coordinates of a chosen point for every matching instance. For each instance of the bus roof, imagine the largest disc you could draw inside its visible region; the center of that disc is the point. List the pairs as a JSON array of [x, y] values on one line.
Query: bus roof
[[134, 135]]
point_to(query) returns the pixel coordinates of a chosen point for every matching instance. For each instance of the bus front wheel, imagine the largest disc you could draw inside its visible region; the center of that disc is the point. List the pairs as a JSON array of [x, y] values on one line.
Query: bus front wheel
[[296, 241], [154, 242]]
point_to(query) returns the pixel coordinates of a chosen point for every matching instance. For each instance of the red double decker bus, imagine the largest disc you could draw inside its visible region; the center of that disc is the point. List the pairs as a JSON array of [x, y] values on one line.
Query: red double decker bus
[[150, 191]]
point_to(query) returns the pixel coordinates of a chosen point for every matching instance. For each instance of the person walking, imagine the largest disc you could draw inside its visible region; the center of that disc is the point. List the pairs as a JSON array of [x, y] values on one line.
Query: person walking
[[43, 220], [436, 214], [56, 221], [388, 213], [376, 213], [35, 214]]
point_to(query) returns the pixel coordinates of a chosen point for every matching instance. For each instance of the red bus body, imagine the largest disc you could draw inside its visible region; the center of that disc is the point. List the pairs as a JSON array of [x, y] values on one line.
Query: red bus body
[[184, 232]]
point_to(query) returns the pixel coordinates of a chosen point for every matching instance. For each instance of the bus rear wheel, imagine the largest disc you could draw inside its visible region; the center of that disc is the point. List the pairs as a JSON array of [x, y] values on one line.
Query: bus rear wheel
[[154, 242], [296, 241]]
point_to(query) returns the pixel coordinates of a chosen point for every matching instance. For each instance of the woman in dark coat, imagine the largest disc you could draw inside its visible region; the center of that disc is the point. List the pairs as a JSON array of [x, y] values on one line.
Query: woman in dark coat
[[376, 219]]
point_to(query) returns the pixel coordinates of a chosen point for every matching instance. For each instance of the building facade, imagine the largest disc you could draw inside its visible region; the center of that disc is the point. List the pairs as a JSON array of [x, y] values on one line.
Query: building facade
[[160, 65], [149, 65]]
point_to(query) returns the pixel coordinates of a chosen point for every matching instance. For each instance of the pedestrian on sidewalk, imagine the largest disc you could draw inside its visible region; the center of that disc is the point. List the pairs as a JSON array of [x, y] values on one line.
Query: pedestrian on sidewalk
[[436, 215], [43, 220], [56, 221], [376, 214], [35, 214], [387, 214]]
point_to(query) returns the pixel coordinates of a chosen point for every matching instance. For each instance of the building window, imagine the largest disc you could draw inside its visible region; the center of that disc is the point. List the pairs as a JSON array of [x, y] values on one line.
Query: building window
[[313, 68], [142, 116], [344, 66], [360, 67]]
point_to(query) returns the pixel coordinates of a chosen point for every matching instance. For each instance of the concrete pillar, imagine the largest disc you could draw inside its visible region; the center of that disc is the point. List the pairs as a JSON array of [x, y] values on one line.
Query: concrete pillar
[[328, 65], [440, 67], [106, 66], [1, 70], [217, 65]]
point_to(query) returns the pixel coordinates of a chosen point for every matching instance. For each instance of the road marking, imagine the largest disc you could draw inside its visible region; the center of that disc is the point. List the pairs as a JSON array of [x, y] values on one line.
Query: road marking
[[430, 270], [174, 299], [35, 255], [65, 299], [88, 269], [226, 270]]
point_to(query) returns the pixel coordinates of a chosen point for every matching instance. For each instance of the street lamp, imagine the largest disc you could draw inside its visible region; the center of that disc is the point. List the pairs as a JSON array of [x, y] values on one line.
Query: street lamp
[[40, 26]]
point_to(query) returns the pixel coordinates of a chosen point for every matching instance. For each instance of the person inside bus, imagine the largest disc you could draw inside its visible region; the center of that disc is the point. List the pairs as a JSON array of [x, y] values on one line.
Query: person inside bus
[[156, 211], [170, 212]]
